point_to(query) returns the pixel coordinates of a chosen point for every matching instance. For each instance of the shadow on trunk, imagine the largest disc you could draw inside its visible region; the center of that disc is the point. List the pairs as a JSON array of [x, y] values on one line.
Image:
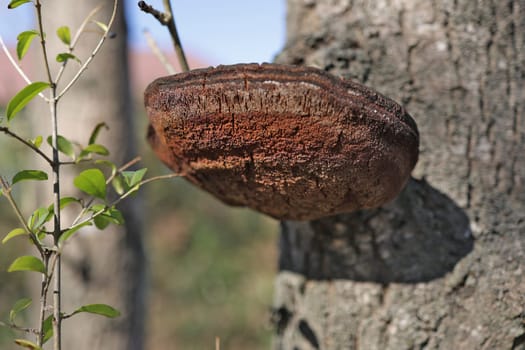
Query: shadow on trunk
[[418, 237]]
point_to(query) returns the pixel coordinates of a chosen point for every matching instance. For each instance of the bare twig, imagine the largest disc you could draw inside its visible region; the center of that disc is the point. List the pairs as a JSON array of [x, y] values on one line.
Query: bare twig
[[93, 53], [167, 19], [157, 52], [16, 66], [28, 144]]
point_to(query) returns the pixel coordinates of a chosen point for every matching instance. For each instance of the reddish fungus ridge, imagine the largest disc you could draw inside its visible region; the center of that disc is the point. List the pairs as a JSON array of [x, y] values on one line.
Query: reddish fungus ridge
[[291, 142]]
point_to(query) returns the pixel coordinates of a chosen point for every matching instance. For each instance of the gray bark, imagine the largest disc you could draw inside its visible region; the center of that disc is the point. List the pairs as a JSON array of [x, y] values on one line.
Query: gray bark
[[441, 267], [100, 266]]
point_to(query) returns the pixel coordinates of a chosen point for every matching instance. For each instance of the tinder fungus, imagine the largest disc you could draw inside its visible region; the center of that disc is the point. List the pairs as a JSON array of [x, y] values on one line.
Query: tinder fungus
[[291, 142]]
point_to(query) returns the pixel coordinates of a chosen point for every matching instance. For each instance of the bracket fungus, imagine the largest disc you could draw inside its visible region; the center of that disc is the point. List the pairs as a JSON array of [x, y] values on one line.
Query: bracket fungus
[[291, 142]]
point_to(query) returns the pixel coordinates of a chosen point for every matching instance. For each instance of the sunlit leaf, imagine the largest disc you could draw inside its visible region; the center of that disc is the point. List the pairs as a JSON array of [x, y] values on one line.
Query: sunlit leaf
[[38, 218], [64, 34], [15, 3], [24, 175], [99, 309], [20, 305], [27, 344], [92, 182], [24, 40], [68, 233], [23, 97], [64, 56], [16, 232], [96, 131], [64, 145], [27, 263]]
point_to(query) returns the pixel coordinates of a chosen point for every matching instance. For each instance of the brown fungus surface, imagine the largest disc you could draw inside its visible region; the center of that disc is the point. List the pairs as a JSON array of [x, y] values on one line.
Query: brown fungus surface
[[291, 142]]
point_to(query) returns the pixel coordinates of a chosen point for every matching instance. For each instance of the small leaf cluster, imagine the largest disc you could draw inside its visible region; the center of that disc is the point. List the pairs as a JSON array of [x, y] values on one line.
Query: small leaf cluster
[[101, 184]]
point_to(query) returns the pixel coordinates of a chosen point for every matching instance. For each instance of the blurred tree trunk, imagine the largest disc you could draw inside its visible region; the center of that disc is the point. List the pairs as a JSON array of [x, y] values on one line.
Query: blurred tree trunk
[[100, 266], [442, 266]]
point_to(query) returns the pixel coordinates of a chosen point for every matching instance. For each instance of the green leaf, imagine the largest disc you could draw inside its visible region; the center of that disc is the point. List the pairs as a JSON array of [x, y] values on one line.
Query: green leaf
[[64, 56], [96, 131], [94, 148], [68, 233], [64, 202], [15, 3], [64, 34], [99, 309], [24, 40], [64, 145], [47, 328], [23, 97], [92, 182], [23, 175], [27, 263], [20, 305], [108, 216], [128, 180], [37, 141], [16, 232], [39, 217], [27, 344], [134, 177], [101, 25]]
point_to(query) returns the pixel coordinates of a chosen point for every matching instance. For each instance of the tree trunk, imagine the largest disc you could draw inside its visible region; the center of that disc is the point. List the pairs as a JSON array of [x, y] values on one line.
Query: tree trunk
[[442, 266], [99, 266]]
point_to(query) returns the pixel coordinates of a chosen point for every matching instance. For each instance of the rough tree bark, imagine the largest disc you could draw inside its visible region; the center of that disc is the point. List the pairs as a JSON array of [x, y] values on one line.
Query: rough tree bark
[[100, 266], [442, 266]]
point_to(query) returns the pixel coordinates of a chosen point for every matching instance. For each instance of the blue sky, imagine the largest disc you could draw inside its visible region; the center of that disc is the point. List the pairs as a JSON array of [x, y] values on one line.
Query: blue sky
[[223, 31]]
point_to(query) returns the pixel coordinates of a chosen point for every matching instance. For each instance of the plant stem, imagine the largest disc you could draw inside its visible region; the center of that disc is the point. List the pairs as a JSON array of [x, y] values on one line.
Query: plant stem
[[43, 302], [53, 101]]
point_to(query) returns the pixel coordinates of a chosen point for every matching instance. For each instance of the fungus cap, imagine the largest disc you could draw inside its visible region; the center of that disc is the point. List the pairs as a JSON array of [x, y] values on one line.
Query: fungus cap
[[291, 142]]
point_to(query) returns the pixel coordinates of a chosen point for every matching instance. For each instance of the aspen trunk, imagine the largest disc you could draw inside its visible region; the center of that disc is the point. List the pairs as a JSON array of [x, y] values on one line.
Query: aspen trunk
[[442, 266]]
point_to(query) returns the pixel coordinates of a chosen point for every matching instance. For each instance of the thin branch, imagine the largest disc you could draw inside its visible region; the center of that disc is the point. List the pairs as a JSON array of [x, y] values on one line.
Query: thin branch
[[16, 66], [175, 37], [157, 52], [167, 19], [93, 53], [28, 144], [76, 38], [125, 195]]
